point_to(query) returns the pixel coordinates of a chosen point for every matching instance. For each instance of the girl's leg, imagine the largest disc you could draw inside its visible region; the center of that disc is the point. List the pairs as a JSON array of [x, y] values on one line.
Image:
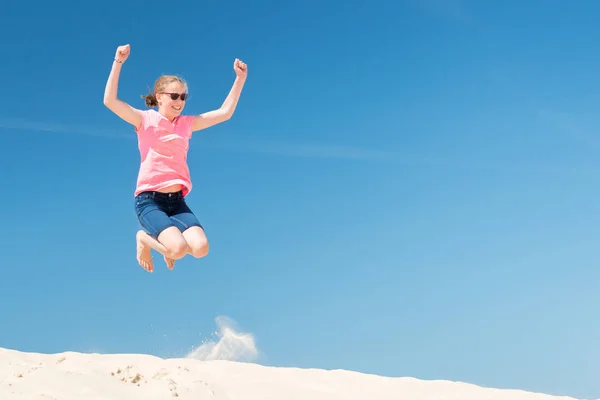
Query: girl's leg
[[193, 231], [197, 241], [193, 241], [164, 236], [170, 243]]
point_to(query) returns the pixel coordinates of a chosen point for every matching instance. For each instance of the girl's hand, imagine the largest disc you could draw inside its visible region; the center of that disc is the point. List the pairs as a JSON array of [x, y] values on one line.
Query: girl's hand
[[241, 69], [122, 53]]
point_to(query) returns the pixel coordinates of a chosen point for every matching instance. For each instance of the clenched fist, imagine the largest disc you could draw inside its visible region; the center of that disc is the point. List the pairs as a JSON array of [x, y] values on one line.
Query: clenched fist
[[240, 68], [122, 53]]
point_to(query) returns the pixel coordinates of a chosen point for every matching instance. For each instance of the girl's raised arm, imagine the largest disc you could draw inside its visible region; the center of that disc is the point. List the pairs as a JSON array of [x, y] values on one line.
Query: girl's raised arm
[[225, 112], [119, 107]]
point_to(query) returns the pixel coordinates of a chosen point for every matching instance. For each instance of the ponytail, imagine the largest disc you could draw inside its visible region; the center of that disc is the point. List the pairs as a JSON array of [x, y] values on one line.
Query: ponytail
[[150, 100]]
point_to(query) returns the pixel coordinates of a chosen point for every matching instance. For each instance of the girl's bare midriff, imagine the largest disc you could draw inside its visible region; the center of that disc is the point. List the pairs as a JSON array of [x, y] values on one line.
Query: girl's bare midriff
[[171, 189]]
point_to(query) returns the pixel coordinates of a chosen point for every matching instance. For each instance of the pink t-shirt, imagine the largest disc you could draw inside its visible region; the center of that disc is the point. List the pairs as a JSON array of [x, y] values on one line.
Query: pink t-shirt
[[163, 149]]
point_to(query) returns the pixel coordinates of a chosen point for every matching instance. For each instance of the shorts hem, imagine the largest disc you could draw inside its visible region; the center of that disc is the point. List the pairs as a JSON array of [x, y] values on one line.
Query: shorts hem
[[153, 232]]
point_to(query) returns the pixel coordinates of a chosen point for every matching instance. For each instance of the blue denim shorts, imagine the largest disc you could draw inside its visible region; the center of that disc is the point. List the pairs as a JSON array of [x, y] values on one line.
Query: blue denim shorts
[[158, 211]]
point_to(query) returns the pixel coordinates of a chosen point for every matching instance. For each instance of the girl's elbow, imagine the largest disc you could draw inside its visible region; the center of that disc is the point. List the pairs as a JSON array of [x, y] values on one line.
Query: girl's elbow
[[109, 101], [227, 114]]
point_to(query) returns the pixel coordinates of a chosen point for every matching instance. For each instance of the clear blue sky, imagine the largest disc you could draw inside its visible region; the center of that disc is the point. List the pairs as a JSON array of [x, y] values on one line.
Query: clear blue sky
[[407, 188]]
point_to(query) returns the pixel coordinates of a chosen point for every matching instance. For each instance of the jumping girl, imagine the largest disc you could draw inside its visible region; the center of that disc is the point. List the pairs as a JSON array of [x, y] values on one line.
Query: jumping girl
[[169, 226]]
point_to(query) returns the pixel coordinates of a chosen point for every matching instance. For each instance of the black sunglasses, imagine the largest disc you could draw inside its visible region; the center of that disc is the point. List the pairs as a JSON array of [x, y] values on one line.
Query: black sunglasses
[[175, 96]]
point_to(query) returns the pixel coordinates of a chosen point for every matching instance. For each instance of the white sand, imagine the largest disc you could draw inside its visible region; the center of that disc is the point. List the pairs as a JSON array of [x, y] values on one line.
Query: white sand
[[77, 376]]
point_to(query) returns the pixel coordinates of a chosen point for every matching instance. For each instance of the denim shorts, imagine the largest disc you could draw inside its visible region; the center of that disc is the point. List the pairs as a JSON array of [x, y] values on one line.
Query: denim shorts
[[158, 211]]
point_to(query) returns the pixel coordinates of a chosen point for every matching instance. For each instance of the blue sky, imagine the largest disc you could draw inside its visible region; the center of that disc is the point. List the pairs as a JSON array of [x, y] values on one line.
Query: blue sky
[[407, 188]]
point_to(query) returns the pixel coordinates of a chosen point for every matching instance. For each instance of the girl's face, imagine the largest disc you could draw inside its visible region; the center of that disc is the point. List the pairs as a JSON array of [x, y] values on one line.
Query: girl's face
[[170, 101]]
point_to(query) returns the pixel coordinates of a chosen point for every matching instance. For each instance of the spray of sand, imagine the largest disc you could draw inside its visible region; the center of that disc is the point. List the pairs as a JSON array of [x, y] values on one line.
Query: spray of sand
[[230, 344]]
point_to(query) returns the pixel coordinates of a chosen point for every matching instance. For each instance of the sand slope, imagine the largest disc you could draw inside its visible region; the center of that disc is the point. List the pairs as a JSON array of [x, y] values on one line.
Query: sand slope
[[70, 376]]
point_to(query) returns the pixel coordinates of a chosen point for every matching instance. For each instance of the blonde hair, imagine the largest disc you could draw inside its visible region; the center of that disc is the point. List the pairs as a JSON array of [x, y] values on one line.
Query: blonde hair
[[161, 83]]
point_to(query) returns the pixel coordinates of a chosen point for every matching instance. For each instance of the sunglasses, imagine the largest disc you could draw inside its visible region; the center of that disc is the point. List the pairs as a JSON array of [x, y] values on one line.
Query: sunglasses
[[175, 96]]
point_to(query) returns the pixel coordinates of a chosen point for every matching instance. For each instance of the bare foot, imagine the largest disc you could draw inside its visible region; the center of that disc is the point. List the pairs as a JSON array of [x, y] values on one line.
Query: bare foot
[[170, 262], [144, 257]]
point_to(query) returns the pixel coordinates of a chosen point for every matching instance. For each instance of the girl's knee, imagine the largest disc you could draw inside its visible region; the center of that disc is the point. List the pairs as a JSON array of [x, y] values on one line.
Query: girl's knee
[[200, 249], [197, 241], [174, 242], [178, 249]]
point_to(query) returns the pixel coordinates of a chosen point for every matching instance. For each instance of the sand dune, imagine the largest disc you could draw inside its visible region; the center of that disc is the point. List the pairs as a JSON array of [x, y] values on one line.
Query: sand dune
[[77, 376]]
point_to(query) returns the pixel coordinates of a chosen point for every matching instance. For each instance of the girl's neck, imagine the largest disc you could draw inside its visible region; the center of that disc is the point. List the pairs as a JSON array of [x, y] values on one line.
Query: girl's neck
[[161, 112]]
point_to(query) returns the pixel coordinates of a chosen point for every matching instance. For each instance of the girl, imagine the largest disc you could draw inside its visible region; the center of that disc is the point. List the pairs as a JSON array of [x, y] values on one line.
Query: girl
[[163, 182]]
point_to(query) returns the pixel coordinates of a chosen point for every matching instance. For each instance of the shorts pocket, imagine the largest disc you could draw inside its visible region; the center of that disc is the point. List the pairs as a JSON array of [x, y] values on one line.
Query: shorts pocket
[[141, 202]]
